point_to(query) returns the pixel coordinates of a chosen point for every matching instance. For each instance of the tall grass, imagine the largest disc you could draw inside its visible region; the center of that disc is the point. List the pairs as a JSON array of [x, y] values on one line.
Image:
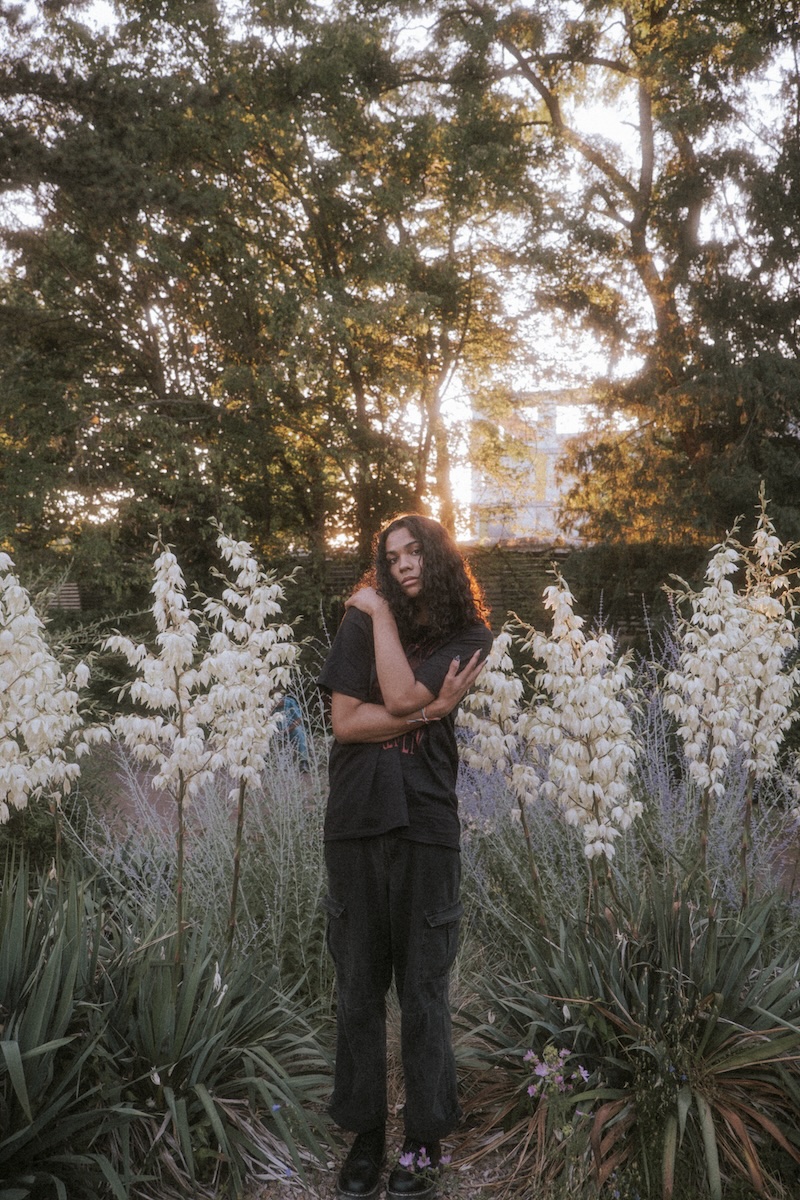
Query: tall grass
[[280, 925]]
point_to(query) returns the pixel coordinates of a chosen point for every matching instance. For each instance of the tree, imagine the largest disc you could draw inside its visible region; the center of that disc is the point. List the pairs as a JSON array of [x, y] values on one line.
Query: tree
[[249, 287], [635, 242]]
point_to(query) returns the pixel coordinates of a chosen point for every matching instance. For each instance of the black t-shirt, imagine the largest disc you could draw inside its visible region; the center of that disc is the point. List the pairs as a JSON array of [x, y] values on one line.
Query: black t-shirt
[[408, 782]]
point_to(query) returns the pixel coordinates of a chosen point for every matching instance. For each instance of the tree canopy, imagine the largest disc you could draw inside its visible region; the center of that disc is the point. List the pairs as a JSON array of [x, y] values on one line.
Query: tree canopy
[[250, 255]]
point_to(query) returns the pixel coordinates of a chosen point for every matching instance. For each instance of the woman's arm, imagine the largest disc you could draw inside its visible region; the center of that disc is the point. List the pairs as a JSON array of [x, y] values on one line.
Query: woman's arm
[[402, 693], [357, 721]]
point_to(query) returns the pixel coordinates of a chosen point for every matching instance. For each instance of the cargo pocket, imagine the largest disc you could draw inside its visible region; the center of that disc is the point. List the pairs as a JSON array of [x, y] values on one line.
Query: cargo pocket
[[334, 928], [440, 940]]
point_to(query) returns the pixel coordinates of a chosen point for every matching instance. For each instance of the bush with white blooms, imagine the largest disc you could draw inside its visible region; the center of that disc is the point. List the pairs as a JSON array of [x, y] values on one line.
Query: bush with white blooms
[[40, 719], [572, 740]]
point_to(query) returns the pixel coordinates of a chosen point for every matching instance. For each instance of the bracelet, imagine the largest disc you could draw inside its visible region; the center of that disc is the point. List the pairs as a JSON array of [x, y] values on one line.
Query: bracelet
[[419, 720]]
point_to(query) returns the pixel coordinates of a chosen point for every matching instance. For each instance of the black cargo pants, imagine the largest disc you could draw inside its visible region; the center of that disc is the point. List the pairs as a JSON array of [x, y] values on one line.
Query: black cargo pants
[[393, 908]]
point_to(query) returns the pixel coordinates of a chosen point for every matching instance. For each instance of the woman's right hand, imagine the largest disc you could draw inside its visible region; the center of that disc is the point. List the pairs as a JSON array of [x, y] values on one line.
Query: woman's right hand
[[368, 601]]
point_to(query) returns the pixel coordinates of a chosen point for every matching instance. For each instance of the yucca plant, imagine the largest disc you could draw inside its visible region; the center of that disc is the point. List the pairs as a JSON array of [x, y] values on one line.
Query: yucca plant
[[688, 1026], [54, 1122], [226, 1073], [125, 1074]]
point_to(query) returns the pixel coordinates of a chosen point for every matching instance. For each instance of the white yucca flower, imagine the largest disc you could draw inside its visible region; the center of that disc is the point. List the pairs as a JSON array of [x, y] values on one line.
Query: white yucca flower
[[170, 737], [491, 710], [211, 710], [39, 717], [573, 740], [579, 747], [248, 666], [732, 692]]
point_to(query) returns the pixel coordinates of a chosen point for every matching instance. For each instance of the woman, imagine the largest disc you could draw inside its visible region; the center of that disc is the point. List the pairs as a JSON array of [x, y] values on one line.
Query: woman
[[412, 643]]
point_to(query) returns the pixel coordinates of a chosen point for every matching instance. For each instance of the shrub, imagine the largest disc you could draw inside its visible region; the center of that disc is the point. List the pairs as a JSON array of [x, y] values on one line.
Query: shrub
[[223, 1071], [688, 1024], [123, 1072], [54, 1119]]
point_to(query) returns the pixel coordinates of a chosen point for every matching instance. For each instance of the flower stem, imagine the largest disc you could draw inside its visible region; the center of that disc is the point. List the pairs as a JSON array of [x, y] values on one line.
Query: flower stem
[[180, 846], [747, 839], [237, 853], [537, 883]]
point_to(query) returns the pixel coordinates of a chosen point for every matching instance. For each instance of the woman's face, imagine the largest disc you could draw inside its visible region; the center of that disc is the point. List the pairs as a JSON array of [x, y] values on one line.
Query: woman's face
[[404, 556]]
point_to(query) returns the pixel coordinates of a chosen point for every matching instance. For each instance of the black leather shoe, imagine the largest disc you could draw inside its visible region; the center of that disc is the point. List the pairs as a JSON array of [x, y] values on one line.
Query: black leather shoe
[[417, 1172], [360, 1175]]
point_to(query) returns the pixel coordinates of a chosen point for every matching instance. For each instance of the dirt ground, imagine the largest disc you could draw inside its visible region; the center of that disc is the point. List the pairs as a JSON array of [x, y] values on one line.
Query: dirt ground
[[460, 1180], [477, 1171]]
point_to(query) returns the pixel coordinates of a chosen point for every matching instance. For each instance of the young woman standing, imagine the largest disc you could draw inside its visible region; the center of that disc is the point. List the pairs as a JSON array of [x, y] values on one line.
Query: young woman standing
[[412, 643]]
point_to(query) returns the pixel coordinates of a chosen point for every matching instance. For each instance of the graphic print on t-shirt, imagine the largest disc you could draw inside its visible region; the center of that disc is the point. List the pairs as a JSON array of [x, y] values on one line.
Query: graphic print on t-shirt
[[407, 742]]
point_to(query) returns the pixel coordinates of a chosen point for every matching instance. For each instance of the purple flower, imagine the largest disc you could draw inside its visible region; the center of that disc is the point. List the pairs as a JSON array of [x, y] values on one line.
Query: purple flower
[[422, 1159], [541, 1069], [407, 1160]]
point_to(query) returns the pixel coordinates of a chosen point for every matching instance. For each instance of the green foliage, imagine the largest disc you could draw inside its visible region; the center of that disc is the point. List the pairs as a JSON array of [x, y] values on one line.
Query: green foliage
[[688, 1023], [31, 831], [242, 287], [122, 1074], [220, 1067], [624, 582], [54, 1121], [255, 264]]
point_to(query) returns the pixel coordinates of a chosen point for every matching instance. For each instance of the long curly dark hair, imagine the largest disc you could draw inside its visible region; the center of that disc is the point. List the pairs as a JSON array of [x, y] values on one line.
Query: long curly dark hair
[[453, 597]]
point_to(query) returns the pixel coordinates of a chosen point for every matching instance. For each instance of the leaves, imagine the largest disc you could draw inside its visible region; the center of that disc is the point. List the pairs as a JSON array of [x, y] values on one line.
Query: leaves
[[118, 1069], [670, 1012]]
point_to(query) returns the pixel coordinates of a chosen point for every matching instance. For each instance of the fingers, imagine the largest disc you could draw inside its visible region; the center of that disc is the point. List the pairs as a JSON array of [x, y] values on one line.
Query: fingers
[[460, 679], [471, 670], [365, 598]]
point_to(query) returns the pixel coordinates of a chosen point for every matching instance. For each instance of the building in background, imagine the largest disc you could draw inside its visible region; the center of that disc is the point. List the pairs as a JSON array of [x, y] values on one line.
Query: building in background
[[517, 498]]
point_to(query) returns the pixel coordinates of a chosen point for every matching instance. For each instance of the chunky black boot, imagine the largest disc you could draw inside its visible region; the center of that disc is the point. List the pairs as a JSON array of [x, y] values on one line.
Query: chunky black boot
[[360, 1175], [417, 1172]]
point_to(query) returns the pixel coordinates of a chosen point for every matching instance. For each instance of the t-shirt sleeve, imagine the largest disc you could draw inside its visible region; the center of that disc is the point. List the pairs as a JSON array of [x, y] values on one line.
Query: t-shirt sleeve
[[432, 670], [347, 669]]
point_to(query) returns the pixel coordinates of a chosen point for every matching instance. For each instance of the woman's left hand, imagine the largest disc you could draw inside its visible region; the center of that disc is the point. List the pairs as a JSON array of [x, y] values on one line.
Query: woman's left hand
[[457, 683]]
